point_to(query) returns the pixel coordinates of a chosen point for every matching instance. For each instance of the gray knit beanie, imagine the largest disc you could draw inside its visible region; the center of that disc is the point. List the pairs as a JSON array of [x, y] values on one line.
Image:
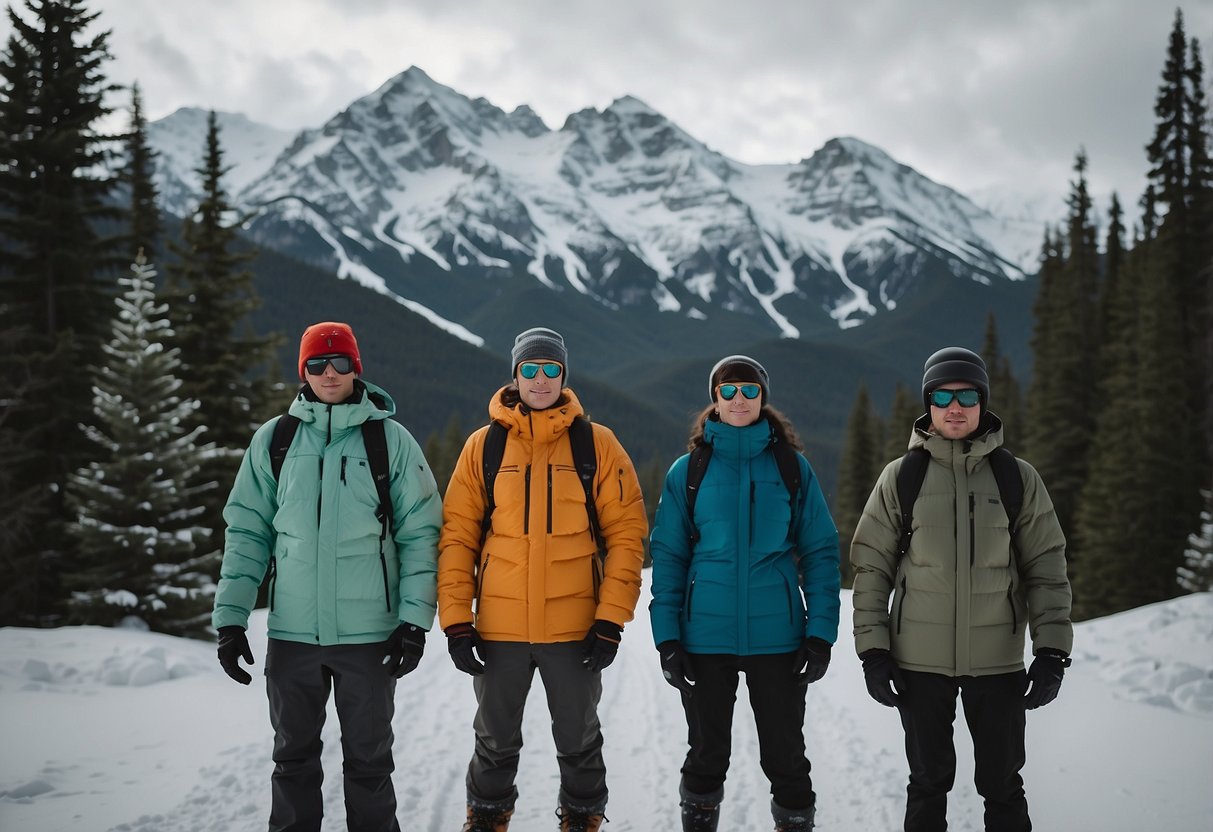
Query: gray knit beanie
[[540, 344]]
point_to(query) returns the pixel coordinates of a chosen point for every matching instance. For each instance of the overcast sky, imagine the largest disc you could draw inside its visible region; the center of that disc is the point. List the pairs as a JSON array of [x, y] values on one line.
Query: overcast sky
[[972, 93]]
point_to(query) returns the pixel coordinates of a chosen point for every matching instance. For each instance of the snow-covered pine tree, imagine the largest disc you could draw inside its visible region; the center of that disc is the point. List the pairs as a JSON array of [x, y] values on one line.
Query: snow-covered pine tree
[[1196, 575], [144, 559]]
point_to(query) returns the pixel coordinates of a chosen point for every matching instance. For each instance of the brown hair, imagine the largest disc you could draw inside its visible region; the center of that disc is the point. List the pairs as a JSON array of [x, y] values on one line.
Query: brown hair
[[781, 426]]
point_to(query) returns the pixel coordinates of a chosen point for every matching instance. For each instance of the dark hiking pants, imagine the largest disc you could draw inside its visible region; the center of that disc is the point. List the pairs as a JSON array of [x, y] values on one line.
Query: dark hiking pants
[[778, 704], [572, 693], [298, 678], [994, 711]]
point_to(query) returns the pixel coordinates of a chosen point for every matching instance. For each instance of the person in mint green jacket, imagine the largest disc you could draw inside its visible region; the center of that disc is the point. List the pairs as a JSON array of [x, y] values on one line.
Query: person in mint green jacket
[[351, 593], [744, 581]]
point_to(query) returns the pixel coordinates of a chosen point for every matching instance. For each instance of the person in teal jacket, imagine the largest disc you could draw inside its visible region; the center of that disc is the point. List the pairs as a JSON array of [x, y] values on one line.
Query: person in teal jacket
[[756, 593], [350, 604]]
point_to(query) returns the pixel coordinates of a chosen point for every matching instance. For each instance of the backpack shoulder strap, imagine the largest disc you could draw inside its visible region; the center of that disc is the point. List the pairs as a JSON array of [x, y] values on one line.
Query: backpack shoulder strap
[[1010, 485], [494, 450], [374, 439], [585, 460], [697, 467], [910, 474], [280, 442], [789, 471]]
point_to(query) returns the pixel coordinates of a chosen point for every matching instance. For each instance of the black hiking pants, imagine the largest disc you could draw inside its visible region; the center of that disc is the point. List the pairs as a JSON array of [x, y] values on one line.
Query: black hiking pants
[[778, 703], [298, 679], [994, 711]]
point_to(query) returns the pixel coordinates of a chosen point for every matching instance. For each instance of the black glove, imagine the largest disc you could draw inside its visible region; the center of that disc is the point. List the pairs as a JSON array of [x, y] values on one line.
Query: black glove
[[601, 644], [883, 676], [405, 646], [233, 645], [464, 644], [811, 661], [1045, 675], [676, 666]]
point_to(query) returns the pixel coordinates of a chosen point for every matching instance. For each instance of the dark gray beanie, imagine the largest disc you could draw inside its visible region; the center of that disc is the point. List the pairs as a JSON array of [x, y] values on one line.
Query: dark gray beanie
[[540, 344], [954, 364], [749, 369]]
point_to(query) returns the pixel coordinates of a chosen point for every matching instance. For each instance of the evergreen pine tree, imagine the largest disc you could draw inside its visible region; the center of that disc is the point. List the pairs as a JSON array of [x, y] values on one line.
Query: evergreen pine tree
[[1113, 264], [1004, 389], [138, 175], [224, 363], [905, 409], [56, 268], [1063, 379], [1196, 575], [142, 555], [856, 475]]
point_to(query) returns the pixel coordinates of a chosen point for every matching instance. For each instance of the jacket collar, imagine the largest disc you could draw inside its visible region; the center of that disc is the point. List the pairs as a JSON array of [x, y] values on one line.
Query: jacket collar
[[986, 438], [369, 401], [539, 425], [735, 442]]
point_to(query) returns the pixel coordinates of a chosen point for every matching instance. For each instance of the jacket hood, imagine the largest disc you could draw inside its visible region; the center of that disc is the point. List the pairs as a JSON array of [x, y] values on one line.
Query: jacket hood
[[986, 438], [540, 425]]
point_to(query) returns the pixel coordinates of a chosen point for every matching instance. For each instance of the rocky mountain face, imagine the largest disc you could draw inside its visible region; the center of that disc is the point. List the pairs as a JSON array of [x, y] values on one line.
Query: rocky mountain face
[[440, 201]]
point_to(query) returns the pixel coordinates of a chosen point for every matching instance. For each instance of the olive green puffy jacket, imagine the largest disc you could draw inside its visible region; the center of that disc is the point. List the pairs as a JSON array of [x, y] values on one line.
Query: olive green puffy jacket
[[961, 599], [331, 584]]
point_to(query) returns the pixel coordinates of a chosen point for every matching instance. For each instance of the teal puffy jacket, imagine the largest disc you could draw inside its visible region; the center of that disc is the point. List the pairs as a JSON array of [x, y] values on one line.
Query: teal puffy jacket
[[317, 523], [751, 586]]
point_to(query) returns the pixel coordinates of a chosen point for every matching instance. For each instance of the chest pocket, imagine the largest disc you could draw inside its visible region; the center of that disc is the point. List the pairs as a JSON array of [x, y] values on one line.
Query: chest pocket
[[770, 514], [566, 509], [359, 500]]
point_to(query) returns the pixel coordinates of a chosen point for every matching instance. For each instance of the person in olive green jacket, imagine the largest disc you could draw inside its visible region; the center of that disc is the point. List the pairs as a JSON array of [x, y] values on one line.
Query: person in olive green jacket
[[351, 593], [961, 595]]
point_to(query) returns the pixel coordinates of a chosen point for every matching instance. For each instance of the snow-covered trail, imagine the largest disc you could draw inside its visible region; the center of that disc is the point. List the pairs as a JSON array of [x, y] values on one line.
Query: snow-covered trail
[[87, 744]]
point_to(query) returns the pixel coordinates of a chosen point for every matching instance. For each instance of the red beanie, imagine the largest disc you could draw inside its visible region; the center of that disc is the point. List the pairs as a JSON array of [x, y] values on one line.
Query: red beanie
[[328, 338]]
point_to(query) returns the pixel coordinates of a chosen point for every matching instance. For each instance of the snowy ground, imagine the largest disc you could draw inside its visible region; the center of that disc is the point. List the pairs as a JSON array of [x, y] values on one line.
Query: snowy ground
[[121, 730]]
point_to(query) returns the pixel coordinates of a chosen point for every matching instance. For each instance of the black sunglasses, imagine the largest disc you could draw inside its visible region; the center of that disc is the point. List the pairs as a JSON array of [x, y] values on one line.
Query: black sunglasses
[[343, 364], [967, 398]]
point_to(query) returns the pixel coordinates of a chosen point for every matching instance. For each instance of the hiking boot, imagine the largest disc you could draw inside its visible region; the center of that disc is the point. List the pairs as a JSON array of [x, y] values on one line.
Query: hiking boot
[[700, 812], [487, 819], [792, 820], [574, 820]]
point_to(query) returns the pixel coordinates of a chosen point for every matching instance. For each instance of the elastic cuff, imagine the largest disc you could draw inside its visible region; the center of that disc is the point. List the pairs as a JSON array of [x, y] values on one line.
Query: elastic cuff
[[713, 798], [501, 804], [583, 805], [782, 814]]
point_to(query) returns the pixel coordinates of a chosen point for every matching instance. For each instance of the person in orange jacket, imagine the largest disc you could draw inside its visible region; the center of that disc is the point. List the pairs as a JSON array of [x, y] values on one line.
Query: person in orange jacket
[[527, 591]]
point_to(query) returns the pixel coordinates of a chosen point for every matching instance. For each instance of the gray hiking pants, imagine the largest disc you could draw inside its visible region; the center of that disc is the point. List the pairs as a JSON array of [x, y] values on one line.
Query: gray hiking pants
[[298, 678], [572, 693]]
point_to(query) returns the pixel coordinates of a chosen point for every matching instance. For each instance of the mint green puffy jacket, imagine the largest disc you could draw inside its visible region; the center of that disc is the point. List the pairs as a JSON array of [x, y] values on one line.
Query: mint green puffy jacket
[[333, 582]]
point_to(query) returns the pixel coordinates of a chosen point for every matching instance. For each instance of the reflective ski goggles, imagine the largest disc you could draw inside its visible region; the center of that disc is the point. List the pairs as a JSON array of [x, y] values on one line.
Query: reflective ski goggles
[[728, 391], [967, 397], [343, 364], [530, 369]]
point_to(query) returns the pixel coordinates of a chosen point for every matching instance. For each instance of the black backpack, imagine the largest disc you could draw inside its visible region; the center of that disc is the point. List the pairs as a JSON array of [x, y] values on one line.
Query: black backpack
[[585, 460], [914, 470], [789, 471], [374, 439]]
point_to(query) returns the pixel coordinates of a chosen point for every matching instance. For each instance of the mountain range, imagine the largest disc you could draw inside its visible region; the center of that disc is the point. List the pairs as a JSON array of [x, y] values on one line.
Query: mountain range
[[652, 252]]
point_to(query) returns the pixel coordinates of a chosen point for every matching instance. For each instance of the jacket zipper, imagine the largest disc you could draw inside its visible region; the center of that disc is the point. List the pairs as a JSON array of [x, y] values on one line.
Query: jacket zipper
[[273, 580], [690, 595], [484, 568], [526, 517], [549, 499], [387, 592], [343, 482], [972, 530], [328, 437], [621, 485], [901, 606], [1014, 615]]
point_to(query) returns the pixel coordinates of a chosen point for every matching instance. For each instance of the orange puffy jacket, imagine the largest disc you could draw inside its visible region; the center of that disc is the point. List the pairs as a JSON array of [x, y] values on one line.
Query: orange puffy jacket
[[537, 567]]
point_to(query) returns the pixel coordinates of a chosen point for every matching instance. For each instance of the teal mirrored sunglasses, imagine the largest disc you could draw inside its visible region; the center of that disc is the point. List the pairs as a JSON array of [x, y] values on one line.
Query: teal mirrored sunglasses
[[530, 369], [728, 391], [967, 398]]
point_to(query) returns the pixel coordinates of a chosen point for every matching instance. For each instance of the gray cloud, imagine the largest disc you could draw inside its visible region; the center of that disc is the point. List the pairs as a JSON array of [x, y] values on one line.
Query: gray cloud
[[971, 93]]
